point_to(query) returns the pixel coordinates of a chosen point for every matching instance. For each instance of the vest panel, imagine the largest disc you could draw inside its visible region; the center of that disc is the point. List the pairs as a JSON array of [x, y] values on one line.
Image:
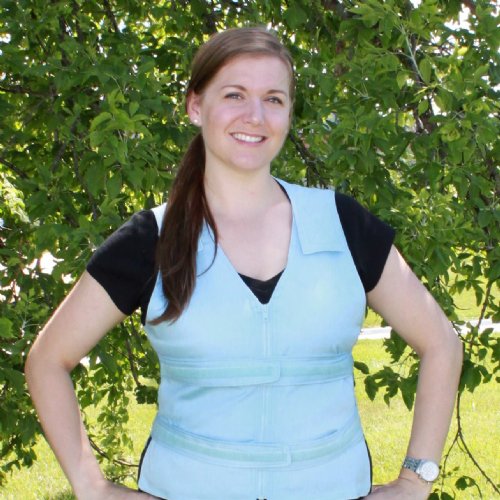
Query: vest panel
[[257, 400]]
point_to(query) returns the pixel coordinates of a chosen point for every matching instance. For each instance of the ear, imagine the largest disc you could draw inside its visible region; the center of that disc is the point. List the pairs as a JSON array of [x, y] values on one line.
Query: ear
[[193, 108]]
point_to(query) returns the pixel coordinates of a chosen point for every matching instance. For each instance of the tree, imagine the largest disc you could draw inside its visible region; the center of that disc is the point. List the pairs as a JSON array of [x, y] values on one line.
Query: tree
[[396, 105]]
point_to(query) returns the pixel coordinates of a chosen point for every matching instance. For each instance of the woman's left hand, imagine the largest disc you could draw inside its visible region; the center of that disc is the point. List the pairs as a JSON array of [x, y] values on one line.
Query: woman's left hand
[[402, 488]]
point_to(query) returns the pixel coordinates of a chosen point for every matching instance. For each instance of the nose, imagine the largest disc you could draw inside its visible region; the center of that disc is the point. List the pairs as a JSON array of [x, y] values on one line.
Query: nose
[[254, 112]]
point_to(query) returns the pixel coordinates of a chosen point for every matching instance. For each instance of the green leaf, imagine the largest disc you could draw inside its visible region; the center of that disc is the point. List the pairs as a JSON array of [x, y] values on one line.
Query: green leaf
[[471, 375], [97, 138], [423, 106], [401, 79], [14, 378], [464, 482], [295, 16], [133, 107], [371, 387], [94, 177], [6, 328], [114, 185], [367, 13], [362, 367], [446, 496], [408, 388], [425, 69], [327, 84], [100, 118]]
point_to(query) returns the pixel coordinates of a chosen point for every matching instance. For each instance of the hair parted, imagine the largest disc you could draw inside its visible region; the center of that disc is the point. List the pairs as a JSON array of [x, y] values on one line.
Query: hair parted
[[227, 45], [188, 209]]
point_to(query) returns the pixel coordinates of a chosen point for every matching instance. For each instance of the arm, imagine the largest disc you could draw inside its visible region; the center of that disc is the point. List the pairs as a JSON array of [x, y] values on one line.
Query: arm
[[78, 324], [409, 308]]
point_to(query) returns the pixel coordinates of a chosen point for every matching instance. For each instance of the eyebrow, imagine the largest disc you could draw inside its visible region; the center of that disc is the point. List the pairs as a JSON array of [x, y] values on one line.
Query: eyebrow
[[271, 91]]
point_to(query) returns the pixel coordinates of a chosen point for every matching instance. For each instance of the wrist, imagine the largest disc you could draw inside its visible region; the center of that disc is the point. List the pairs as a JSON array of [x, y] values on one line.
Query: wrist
[[90, 486], [411, 477], [415, 483]]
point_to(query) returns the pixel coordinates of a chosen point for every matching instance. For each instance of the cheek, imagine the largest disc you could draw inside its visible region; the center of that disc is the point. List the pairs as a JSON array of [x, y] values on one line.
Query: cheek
[[281, 123], [221, 114]]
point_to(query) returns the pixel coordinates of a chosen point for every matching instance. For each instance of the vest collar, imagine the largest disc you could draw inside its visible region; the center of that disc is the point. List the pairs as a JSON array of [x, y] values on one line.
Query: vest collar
[[315, 217]]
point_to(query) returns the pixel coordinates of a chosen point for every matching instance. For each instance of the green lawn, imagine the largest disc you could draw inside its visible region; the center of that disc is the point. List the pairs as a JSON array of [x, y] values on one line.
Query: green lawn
[[386, 428], [466, 307]]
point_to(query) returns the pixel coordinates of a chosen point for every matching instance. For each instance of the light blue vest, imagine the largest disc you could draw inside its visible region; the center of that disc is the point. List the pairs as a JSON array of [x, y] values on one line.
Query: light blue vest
[[257, 400]]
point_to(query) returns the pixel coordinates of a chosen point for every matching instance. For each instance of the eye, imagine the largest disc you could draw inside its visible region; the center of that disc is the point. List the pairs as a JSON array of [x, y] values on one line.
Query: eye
[[275, 100], [233, 95]]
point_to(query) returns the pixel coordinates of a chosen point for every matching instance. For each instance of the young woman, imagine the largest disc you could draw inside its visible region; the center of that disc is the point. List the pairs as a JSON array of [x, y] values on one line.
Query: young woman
[[253, 293]]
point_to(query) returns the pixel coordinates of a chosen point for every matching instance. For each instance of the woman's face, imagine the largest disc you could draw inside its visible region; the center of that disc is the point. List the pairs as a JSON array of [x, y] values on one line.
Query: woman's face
[[244, 113]]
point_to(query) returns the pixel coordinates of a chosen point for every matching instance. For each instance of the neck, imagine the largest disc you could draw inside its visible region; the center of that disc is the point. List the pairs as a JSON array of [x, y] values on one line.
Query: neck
[[240, 193]]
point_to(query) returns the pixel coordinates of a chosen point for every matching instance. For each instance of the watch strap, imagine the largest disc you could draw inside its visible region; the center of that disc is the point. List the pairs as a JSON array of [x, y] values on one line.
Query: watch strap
[[411, 463], [420, 467]]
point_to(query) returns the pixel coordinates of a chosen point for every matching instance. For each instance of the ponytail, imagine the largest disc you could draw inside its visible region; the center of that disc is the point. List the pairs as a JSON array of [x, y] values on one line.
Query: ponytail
[[182, 224]]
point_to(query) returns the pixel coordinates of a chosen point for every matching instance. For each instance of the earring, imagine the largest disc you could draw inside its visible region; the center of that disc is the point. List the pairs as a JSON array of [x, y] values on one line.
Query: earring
[[196, 121]]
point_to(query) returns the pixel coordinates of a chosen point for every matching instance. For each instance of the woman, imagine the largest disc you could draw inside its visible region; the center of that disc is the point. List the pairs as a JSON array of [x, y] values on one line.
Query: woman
[[259, 298]]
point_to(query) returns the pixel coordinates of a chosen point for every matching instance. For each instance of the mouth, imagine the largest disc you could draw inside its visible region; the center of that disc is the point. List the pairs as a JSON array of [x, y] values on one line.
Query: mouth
[[249, 139]]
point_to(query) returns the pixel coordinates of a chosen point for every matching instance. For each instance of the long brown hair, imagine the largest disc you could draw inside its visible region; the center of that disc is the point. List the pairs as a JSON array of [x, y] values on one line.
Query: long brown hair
[[187, 208]]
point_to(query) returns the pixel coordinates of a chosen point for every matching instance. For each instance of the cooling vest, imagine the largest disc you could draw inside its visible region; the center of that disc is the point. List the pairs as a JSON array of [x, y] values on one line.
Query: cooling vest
[[257, 401]]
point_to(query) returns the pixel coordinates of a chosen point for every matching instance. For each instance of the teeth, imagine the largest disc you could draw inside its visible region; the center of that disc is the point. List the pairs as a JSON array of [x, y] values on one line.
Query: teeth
[[248, 138]]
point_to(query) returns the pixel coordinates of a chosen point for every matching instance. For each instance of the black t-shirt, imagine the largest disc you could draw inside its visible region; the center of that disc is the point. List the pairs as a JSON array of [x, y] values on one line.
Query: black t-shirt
[[125, 263]]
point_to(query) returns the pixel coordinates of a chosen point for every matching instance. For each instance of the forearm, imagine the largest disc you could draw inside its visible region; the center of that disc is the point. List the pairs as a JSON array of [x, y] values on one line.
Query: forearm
[[436, 392], [54, 397]]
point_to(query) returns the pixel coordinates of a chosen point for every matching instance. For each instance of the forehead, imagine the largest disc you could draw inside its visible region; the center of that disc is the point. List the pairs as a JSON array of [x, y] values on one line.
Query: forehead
[[260, 72]]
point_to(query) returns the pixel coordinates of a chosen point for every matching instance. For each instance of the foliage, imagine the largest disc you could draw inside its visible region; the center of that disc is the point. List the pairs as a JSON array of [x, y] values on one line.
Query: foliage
[[397, 104]]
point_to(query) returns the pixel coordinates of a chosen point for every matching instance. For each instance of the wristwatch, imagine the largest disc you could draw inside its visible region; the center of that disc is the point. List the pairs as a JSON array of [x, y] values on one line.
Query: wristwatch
[[425, 469]]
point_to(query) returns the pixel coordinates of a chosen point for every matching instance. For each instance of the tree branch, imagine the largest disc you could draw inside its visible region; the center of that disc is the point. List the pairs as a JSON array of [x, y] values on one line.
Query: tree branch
[[92, 202], [62, 35], [15, 169], [467, 450], [308, 158], [130, 358], [103, 454], [75, 10], [19, 89], [445, 461], [111, 17], [338, 7], [485, 304], [135, 333], [62, 149]]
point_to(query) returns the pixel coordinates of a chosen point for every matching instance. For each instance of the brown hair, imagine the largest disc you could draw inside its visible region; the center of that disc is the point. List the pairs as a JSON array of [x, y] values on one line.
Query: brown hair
[[187, 206]]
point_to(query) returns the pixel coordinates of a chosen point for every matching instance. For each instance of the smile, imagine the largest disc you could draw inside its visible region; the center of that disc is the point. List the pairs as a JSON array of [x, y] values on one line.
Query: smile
[[248, 138]]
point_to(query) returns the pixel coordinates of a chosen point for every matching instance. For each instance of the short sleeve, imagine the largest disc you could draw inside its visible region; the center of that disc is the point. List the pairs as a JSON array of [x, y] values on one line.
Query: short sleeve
[[124, 264], [369, 239]]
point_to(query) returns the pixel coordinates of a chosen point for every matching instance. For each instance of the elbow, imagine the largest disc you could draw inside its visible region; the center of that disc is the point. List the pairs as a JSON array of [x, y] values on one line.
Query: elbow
[[447, 350], [451, 351], [41, 362], [31, 364]]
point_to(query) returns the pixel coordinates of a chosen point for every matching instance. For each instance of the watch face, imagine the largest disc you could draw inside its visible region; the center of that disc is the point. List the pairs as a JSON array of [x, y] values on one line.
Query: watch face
[[429, 471]]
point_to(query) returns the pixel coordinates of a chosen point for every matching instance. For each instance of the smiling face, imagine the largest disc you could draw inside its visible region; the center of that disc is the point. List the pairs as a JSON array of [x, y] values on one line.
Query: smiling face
[[244, 113]]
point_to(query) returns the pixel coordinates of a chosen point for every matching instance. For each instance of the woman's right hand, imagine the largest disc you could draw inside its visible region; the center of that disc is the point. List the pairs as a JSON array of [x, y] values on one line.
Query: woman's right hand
[[112, 491]]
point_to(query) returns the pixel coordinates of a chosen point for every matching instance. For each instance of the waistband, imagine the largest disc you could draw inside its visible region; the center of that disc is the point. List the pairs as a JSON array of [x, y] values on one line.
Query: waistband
[[256, 455], [241, 372]]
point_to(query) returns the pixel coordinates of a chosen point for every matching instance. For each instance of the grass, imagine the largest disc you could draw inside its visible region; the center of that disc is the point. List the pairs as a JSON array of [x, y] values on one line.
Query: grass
[[465, 303], [386, 428], [45, 479]]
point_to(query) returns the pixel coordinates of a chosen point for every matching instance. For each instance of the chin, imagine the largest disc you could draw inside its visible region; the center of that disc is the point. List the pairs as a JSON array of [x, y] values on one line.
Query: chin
[[251, 167]]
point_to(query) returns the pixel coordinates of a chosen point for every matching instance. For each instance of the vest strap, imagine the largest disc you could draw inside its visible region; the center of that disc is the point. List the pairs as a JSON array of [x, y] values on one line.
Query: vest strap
[[243, 372], [251, 455]]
